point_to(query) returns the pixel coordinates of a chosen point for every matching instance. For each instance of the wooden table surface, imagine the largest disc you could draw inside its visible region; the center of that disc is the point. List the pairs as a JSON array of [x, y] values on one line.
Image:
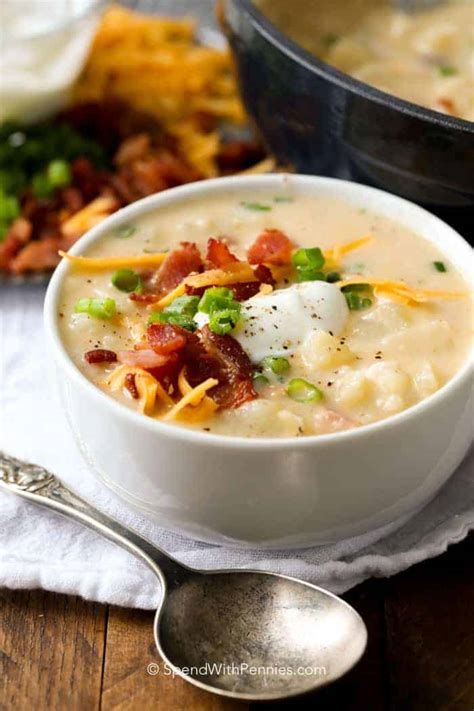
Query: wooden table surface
[[59, 652]]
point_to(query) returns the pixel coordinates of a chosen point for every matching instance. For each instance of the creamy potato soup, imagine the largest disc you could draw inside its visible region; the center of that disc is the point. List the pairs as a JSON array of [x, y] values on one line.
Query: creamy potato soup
[[265, 314], [426, 57]]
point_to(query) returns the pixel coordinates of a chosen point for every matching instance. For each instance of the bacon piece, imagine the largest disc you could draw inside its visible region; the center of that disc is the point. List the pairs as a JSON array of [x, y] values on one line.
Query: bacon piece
[[218, 254], [164, 338], [37, 255], [167, 374], [143, 298], [178, 264], [146, 358], [271, 247], [242, 290], [208, 355], [130, 384], [264, 275], [100, 355]]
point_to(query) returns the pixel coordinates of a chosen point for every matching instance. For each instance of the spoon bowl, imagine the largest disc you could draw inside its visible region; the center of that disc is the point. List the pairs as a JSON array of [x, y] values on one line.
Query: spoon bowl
[[257, 636], [248, 635]]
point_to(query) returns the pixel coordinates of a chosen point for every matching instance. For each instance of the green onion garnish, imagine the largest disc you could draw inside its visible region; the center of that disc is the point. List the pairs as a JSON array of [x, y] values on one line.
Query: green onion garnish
[[186, 305], [222, 322], [98, 308], [259, 380], [307, 259], [256, 206], [282, 198], [302, 391], [124, 231], [446, 70], [126, 280], [9, 208], [276, 364], [440, 266], [356, 302], [356, 287], [175, 319], [42, 187], [310, 275], [333, 277], [58, 173], [216, 298]]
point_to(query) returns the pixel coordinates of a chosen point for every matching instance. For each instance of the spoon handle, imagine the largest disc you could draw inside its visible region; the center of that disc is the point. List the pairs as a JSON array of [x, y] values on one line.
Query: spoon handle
[[37, 484]]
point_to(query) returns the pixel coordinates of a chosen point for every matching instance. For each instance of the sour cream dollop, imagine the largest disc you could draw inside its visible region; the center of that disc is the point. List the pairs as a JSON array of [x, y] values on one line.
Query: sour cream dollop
[[278, 323]]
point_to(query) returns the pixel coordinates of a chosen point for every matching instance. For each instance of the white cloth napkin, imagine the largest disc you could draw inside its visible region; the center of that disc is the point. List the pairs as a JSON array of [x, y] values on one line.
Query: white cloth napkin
[[42, 549]]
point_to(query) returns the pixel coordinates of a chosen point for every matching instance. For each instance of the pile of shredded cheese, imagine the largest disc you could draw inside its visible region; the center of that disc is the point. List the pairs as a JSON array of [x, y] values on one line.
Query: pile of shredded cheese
[[156, 65]]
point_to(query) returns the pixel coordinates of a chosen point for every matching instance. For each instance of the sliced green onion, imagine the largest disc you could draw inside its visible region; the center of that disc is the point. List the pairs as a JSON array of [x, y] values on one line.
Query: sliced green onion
[[175, 319], [446, 70], [9, 207], [124, 231], [98, 308], [216, 298], [305, 259], [355, 302], [58, 173], [258, 206], [310, 275], [333, 277], [282, 198], [185, 305], [42, 187], [127, 280], [259, 380], [355, 287], [276, 364], [4, 227], [440, 266], [222, 322], [302, 391]]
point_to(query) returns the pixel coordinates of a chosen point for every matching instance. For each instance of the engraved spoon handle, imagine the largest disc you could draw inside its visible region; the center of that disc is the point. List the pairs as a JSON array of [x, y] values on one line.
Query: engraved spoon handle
[[36, 484]]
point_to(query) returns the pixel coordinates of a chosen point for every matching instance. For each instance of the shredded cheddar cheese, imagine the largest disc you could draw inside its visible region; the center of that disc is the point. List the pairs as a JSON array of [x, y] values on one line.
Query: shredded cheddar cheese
[[90, 215], [334, 256], [99, 263], [192, 398], [399, 291], [148, 387]]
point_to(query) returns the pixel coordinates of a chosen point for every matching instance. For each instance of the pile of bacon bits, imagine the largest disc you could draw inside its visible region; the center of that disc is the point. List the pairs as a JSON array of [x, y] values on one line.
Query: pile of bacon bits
[[142, 160], [205, 354]]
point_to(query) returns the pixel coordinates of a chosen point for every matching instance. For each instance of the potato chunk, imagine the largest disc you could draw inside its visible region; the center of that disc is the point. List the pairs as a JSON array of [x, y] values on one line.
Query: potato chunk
[[321, 350]]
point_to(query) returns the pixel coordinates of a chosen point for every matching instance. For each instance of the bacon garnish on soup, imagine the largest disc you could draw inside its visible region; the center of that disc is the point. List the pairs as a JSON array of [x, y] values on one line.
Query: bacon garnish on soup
[[271, 247]]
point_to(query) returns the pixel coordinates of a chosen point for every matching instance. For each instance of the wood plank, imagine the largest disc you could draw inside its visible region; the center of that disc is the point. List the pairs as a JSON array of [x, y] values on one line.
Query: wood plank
[[430, 633], [365, 686], [51, 651], [128, 686]]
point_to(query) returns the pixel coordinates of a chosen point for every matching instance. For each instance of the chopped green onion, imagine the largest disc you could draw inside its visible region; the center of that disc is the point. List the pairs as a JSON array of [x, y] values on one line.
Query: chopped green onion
[[4, 226], [355, 287], [98, 308], [440, 266], [355, 302], [276, 364], [9, 208], [446, 70], [302, 391], [259, 380], [124, 231], [282, 198], [333, 277], [222, 322], [185, 305], [306, 259], [256, 206], [310, 275], [175, 319], [58, 173], [127, 280], [42, 187], [216, 298]]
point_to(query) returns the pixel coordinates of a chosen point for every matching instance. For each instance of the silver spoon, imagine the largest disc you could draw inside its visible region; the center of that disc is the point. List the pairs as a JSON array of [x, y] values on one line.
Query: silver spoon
[[216, 629]]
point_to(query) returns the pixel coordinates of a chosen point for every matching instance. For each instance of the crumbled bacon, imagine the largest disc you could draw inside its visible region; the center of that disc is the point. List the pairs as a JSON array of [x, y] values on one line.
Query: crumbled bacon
[[131, 385], [167, 373], [218, 254], [100, 355], [164, 338], [146, 358], [147, 298], [271, 247], [242, 290], [179, 263], [43, 254], [264, 275], [207, 355]]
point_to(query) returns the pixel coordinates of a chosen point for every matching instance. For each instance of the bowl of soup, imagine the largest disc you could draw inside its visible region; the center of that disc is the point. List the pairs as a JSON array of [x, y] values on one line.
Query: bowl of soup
[[273, 360], [359, 90]]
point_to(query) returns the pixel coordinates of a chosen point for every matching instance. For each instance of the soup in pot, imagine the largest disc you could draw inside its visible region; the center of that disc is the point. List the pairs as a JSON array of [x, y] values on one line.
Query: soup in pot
[[265, 315], [425, 57]]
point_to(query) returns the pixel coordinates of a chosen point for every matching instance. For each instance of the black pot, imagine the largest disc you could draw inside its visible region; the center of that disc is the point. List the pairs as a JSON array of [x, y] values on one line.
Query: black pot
[[319, 120]]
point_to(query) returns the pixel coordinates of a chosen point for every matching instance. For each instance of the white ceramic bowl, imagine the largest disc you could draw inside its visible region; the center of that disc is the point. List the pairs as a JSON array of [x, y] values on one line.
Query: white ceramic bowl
[[271, 492]]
